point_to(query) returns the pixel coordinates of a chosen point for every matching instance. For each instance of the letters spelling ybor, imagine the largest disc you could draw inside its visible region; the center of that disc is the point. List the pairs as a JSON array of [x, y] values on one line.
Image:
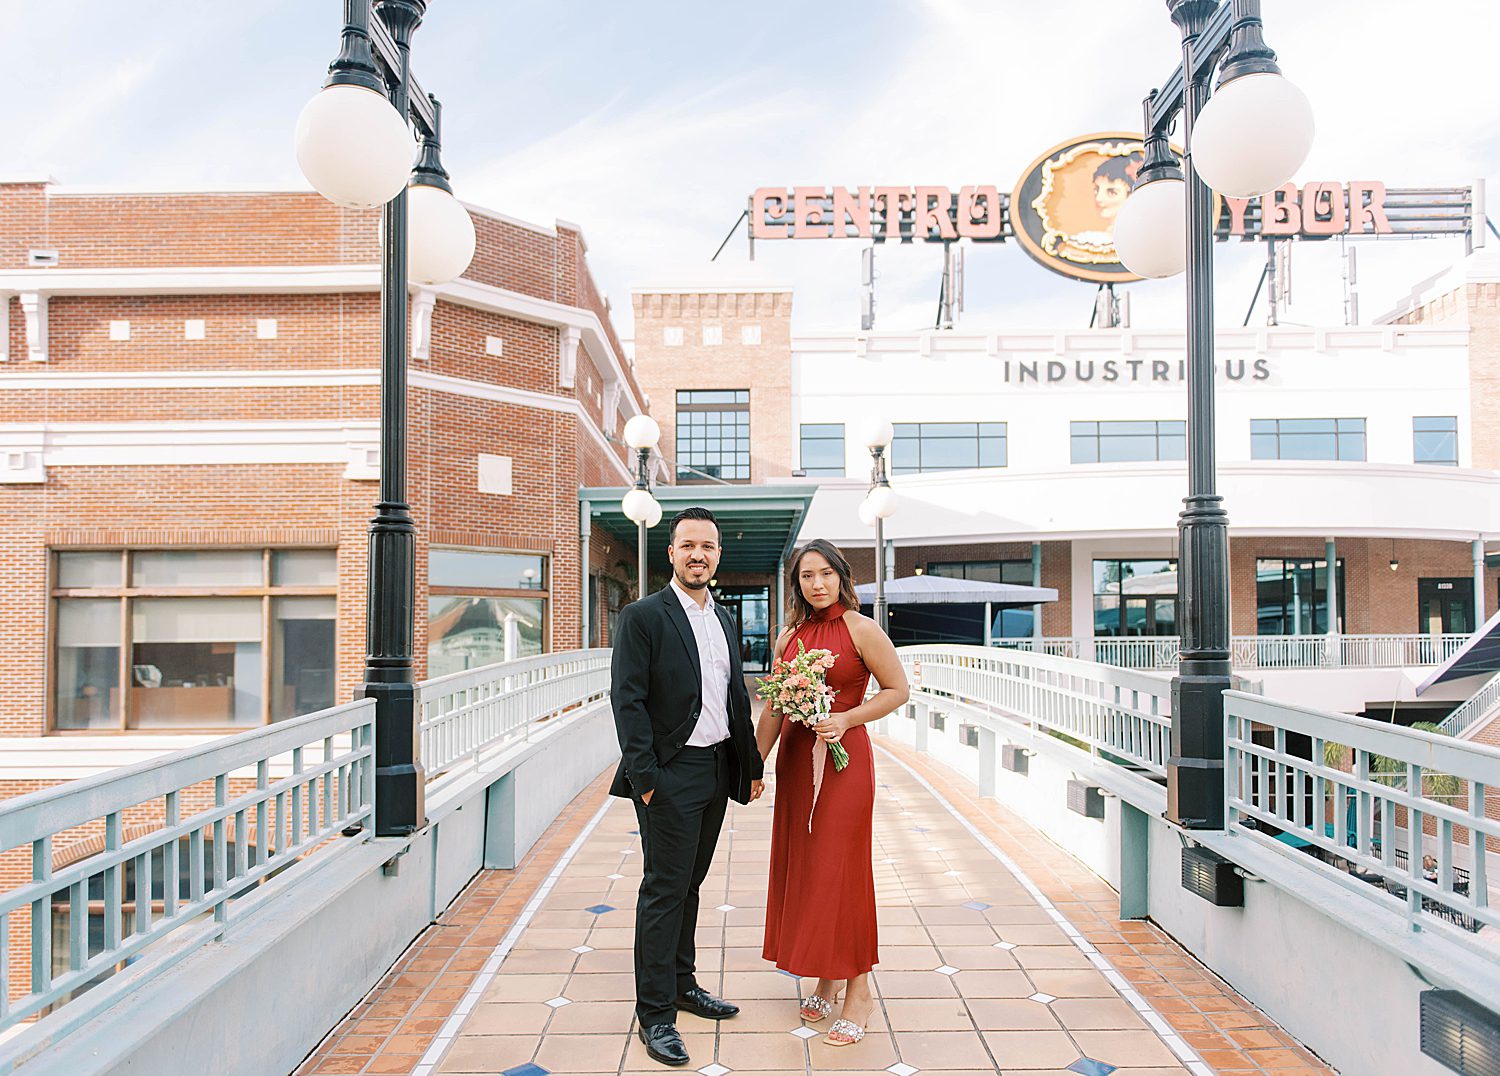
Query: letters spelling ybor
[[936, 214]]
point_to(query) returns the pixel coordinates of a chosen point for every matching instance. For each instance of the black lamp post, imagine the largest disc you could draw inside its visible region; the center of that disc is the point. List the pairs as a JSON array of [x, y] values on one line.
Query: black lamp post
[[355, 147], [1249, 141]]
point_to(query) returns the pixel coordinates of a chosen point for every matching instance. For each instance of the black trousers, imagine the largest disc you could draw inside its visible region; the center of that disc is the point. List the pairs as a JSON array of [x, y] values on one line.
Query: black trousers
[[679, 831]]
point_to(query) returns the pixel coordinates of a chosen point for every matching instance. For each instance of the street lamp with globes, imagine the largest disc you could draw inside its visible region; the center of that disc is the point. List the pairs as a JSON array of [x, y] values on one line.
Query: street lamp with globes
[[878, 505], [354, 145], [640, 507], [1249, 139]]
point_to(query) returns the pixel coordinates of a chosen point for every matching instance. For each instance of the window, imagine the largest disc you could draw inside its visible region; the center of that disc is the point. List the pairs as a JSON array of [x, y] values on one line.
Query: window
[[713, 335], [1011, 622], [750, 334], [947, 446], [671, 336], [1135, 597], [713, 435], [200, 638], [1119, 442], [1435, 440], [1291, 596], [484, 607], [823, 449], [1307, 438]]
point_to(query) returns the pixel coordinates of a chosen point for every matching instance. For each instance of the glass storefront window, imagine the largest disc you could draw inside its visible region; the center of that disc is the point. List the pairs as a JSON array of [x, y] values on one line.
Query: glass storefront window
[[191, 660], [486, 571], [195, 662], [304, 568], [1435, 440], [823, 449], [302, 653], [1135, 597], [467, 631], [90, 569], [87, 674], [1291, 596]]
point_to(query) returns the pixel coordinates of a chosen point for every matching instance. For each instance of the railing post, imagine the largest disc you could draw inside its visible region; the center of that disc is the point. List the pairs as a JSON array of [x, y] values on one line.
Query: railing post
[[1331, 558]]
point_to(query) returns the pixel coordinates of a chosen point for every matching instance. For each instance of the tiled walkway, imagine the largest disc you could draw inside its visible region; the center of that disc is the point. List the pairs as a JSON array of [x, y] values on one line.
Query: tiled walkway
[[982, 969]]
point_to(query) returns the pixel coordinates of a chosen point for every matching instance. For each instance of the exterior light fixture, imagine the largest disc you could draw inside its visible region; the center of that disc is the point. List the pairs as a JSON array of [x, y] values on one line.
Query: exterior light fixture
[[441, 240], [1394, 562], [1150, 231]]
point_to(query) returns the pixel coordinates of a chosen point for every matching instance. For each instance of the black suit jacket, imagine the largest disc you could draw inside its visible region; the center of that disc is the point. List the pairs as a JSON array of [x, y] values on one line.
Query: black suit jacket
[[656, 687]]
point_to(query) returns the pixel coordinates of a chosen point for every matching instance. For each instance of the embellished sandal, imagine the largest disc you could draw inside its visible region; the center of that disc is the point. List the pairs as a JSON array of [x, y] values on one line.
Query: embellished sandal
[[815, 1008], [844, 1033]]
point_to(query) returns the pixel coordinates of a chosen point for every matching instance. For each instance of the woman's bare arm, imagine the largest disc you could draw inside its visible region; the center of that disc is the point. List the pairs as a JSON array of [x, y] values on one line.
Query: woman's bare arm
[[769, 727], [879, 655]]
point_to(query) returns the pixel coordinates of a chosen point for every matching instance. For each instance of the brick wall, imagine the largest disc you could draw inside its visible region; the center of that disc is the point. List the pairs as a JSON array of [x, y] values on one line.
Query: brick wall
[[765, 369], [1476, 305]]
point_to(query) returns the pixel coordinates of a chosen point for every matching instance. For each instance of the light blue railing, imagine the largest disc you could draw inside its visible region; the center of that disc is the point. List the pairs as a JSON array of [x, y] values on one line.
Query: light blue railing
[[1479, 705], [1109, 709], [163, 849], [465, 714]]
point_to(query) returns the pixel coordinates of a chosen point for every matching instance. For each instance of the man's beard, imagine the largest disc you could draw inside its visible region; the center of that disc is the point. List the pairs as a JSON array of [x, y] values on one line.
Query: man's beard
[[682, 577]]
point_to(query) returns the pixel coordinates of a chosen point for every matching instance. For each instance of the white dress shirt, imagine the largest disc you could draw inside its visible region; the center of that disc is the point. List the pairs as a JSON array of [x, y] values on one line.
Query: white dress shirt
[[713, 662]]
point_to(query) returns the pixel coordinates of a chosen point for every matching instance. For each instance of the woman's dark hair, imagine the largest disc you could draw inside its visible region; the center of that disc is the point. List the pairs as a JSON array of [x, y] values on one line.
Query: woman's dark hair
[[1125, 168], [798, 610], [695, 512]]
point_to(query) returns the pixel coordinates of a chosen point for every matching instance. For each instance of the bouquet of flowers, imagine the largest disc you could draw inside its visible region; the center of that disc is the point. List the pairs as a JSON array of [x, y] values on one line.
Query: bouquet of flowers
[[799, 689]]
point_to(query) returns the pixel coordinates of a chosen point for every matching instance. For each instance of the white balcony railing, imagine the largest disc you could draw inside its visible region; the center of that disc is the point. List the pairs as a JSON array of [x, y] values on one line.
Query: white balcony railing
[[494, 706], [1480, 705], [1260, 651], [1407, 817]]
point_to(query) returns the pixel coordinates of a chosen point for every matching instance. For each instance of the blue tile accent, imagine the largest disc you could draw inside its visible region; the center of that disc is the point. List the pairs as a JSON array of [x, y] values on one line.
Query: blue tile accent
[[1087, 1066], [788, 974], [977, 905], [600, 909], [527, 1069], [920, 829], [635, 833]]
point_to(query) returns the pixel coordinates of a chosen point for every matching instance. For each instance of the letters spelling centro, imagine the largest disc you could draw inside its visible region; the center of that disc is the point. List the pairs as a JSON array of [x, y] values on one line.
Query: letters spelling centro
[[935, 214]]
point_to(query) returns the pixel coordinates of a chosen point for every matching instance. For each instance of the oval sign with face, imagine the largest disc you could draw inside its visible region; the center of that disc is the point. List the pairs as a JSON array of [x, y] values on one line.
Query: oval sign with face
[[1063, 209]]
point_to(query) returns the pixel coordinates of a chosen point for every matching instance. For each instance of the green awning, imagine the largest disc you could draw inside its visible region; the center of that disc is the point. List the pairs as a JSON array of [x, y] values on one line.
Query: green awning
[[759, 523]]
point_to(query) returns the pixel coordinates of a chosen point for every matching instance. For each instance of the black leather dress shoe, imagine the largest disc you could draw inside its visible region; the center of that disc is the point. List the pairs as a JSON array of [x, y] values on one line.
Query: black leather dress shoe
[[664, 1044], [700, 1002]]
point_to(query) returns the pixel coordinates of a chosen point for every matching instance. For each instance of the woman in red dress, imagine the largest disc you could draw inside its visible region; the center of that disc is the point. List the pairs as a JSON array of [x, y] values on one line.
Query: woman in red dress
[[820, 911]]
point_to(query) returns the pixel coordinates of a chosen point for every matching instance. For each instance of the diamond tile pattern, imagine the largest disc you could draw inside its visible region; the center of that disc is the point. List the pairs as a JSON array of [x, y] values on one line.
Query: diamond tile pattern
[[563, 994], [1087, 1066]]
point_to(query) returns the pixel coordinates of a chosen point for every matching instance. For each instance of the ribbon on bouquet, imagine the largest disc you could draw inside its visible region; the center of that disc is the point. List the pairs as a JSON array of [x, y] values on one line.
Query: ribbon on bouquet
[[819, 760]]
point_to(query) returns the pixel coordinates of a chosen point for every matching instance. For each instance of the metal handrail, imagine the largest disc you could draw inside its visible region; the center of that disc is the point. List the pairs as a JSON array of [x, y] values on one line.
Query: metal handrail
[[1258, 651], [279, 796], [1359, 814], [1478, 706], [479, 710], [1114, 711]]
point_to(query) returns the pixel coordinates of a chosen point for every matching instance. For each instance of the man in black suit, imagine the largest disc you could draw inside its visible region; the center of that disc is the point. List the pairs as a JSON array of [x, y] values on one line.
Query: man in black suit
[[686, 743]]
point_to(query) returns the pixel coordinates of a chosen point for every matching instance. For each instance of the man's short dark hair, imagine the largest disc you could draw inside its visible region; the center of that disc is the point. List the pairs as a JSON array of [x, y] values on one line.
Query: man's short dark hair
[[695, 512]]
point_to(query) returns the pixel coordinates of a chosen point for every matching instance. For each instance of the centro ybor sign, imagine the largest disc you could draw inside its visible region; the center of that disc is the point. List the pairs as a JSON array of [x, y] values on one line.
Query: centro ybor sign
[[1062, 210]]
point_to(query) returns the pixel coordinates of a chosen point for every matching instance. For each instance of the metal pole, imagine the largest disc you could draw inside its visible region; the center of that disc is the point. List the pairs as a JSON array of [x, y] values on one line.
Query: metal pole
[[1195, 769], [880, 610], [586, 612], [780, 599], [989, 624], [1331, 557], [400, 782], [1036, 610], [640, 539], [1479, 617]]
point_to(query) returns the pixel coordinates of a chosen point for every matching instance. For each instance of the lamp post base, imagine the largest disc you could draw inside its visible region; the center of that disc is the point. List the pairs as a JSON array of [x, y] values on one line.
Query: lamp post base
[[1195, 768], [400, 780]]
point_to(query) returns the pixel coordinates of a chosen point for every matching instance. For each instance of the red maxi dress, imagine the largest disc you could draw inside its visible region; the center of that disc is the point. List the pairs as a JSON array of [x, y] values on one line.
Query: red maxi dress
[[820, 910]]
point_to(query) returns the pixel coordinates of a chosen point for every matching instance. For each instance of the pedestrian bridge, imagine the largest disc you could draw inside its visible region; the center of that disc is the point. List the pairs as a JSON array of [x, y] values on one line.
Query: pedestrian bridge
[[230, 904]]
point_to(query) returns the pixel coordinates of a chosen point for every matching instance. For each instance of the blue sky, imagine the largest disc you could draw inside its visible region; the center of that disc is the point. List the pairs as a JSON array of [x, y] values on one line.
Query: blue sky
[[649, 123]]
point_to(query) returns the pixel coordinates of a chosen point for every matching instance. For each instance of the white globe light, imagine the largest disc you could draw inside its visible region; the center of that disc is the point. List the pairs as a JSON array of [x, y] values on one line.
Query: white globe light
[[878, 432], [1252, 136], [866, 516], [637, 505], [353, 147], [1151, 229], [654, 516], [641, 431], [439, 237], [882, 502]]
